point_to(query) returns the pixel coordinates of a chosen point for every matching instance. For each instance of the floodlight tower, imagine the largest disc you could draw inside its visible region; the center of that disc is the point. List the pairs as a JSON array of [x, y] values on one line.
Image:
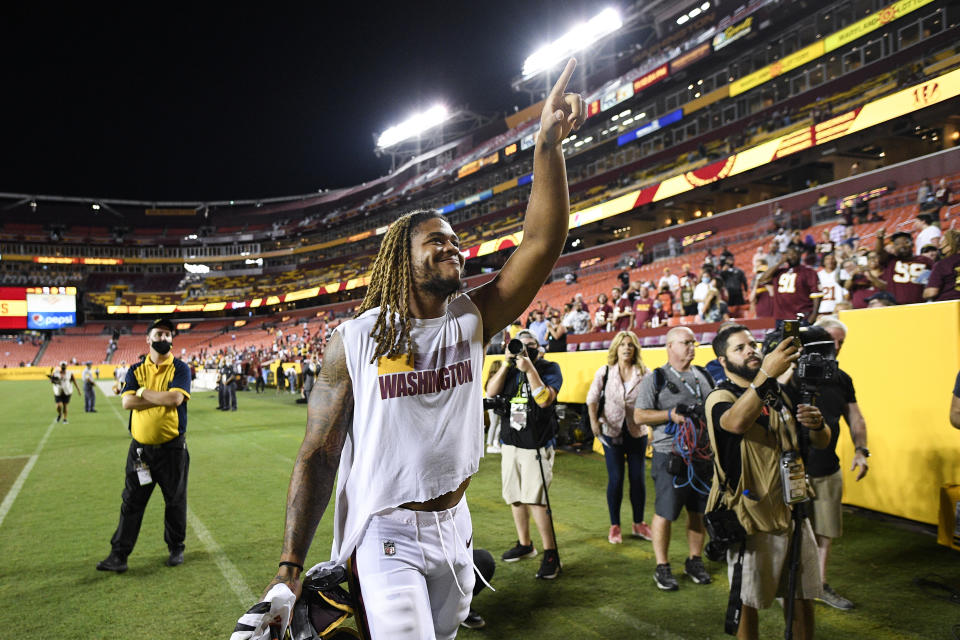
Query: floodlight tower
[[597, 43], [424, 131]]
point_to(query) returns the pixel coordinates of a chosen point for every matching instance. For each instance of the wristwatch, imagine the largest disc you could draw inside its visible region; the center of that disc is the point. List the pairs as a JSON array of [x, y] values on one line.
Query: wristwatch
[[863, 450]]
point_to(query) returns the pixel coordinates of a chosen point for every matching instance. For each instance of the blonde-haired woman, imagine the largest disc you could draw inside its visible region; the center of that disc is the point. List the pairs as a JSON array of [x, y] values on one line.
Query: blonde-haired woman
[[623, 439]]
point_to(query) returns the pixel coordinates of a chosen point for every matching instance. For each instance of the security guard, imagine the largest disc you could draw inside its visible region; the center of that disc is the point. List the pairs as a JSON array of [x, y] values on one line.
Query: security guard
[[155, 391]]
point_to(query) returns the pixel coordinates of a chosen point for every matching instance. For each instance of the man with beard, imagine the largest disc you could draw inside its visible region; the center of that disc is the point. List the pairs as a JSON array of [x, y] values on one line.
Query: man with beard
[[396, 415], [752, 425], [902, 269], [155, 392], [796, 287]]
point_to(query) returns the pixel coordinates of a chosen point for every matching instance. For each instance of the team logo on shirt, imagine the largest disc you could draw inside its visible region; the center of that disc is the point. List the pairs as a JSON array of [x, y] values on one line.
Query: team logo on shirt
[[430, 372], [389, 548]]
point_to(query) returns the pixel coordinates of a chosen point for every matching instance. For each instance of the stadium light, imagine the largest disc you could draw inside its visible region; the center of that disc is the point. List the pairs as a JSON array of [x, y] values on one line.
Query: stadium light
[[579, 37], [413, 126]]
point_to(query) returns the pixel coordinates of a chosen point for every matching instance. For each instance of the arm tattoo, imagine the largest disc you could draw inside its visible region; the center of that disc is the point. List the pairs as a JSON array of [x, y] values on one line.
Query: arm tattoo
[[329, 417]]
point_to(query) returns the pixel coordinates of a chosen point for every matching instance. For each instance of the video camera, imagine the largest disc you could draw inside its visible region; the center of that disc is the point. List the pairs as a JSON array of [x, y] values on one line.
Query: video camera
[[817, 365], [500, 406]]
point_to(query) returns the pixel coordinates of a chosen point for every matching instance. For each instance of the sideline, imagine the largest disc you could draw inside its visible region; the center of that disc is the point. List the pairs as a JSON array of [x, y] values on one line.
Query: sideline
[[22, 478], [229, 570]]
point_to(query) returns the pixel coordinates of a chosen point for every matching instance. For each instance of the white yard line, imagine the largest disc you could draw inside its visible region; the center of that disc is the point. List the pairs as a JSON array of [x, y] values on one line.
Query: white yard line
[[229, 570], [645, 629], [22, 478], [20, 457]]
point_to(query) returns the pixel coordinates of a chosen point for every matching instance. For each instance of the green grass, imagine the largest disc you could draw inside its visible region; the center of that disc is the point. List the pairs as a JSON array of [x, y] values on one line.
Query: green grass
[[60, 524]]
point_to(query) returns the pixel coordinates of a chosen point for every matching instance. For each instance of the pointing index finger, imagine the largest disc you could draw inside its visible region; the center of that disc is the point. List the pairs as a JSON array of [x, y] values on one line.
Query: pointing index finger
[[561, 85]]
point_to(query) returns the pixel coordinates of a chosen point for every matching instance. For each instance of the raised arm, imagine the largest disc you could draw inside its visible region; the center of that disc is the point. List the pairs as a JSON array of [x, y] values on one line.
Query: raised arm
[[505, 297], [329, 415]]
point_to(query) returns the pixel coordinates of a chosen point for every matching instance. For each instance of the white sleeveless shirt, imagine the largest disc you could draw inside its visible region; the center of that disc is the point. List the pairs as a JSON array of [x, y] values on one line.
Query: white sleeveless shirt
[[417, 430]]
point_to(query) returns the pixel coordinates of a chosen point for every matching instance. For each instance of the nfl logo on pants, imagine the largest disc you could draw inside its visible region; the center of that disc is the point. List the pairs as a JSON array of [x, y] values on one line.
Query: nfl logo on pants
[[389, 548]]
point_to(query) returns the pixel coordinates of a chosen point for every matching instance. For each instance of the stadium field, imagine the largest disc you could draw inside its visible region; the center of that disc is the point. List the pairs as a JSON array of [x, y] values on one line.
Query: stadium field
[[60, 488]]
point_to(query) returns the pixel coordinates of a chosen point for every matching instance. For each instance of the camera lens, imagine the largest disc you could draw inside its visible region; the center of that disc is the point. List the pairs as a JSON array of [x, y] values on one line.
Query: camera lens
[[516, 347]]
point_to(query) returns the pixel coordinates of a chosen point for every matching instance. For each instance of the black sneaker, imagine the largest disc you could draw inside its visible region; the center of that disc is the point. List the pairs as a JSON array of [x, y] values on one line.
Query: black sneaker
[[175, 559], [550, 565], [694, 568], [473, 621], [664, 578], [113, 562], [834, 599], [519, 552]]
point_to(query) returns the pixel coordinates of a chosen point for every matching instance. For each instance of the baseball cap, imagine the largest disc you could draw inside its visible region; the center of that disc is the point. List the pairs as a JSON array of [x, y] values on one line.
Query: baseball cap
[[886, 296], [901, 234], [926, 217], [161, 323]]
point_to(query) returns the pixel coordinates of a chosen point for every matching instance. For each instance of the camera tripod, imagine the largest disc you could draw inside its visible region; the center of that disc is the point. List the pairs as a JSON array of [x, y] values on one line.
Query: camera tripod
[[798, 515]]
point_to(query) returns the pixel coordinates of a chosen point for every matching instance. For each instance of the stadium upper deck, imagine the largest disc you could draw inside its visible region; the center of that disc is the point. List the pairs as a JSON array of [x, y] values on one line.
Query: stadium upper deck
[[720, 88]]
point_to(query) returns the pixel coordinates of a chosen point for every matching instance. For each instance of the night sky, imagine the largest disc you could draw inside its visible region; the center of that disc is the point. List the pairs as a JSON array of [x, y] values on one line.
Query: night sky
[[186, 101]]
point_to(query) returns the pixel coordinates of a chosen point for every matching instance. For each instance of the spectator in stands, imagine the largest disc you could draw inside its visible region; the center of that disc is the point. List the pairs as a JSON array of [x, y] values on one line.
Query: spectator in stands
[[577, 321], [538, 326], [703, 288], [924, 193], [735, 282], [781, 241], [156, 392], [664, 401], [942, 194], [578, 297], [927, 232], [901, 269], [944, 282], [823, 205], [603, 316], [622, 310], [864, 281], [556, 333], [64, 383], [634, 291], [715, 308], [610, 402], [666, 299], [89, 391], [642, 307], [672, 245], [670, 280], [881, 299], [685, 297], [830, 285], [761, 297], [796, 288], [779, 218]]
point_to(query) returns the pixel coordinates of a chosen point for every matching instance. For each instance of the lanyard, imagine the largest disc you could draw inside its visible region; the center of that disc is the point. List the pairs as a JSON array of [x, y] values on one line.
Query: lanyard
[[695, 392]]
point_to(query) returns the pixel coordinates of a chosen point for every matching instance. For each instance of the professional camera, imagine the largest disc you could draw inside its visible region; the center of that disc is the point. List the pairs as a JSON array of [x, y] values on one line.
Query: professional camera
[[500, 406], [516, 347], [725, 529]]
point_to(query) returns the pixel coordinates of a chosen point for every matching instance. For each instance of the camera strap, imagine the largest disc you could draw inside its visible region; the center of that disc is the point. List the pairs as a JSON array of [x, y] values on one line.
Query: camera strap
[[731, 622]]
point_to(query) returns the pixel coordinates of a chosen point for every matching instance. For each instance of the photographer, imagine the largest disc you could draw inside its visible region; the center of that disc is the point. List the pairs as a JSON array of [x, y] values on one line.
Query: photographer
[[753, 432], [530, 385], [668, 399]]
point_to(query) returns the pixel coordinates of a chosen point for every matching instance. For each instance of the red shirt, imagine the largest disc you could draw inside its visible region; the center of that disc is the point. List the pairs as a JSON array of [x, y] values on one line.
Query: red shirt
[[764, 303], [946, 277], [623, 322], [860, 289], [642, 308], [900, 276], [794, 289]]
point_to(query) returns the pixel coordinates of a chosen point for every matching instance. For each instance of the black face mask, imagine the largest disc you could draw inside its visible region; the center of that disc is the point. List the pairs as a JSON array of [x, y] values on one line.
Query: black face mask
[[161, 346]]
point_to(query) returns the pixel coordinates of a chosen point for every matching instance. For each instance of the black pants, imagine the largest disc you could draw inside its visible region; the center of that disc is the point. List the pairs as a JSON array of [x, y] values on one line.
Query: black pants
[[259, 384], [169, 465], [222, 396], [231, 399]]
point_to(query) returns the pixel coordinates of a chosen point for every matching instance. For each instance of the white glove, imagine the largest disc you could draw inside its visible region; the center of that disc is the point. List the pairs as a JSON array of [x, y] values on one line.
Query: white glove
[[276, 608]]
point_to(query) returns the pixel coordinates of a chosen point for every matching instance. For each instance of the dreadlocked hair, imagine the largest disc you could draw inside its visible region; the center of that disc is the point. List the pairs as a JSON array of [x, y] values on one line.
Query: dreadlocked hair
[[389, 288]]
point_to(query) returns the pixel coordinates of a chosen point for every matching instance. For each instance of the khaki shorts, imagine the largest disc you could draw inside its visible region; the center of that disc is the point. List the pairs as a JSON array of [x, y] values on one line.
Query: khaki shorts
[[766, 568], [826, 512], [520, 474]]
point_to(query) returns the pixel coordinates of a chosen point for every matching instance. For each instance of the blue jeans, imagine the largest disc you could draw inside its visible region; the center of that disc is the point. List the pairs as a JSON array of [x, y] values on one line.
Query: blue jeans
[[633, 451]]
